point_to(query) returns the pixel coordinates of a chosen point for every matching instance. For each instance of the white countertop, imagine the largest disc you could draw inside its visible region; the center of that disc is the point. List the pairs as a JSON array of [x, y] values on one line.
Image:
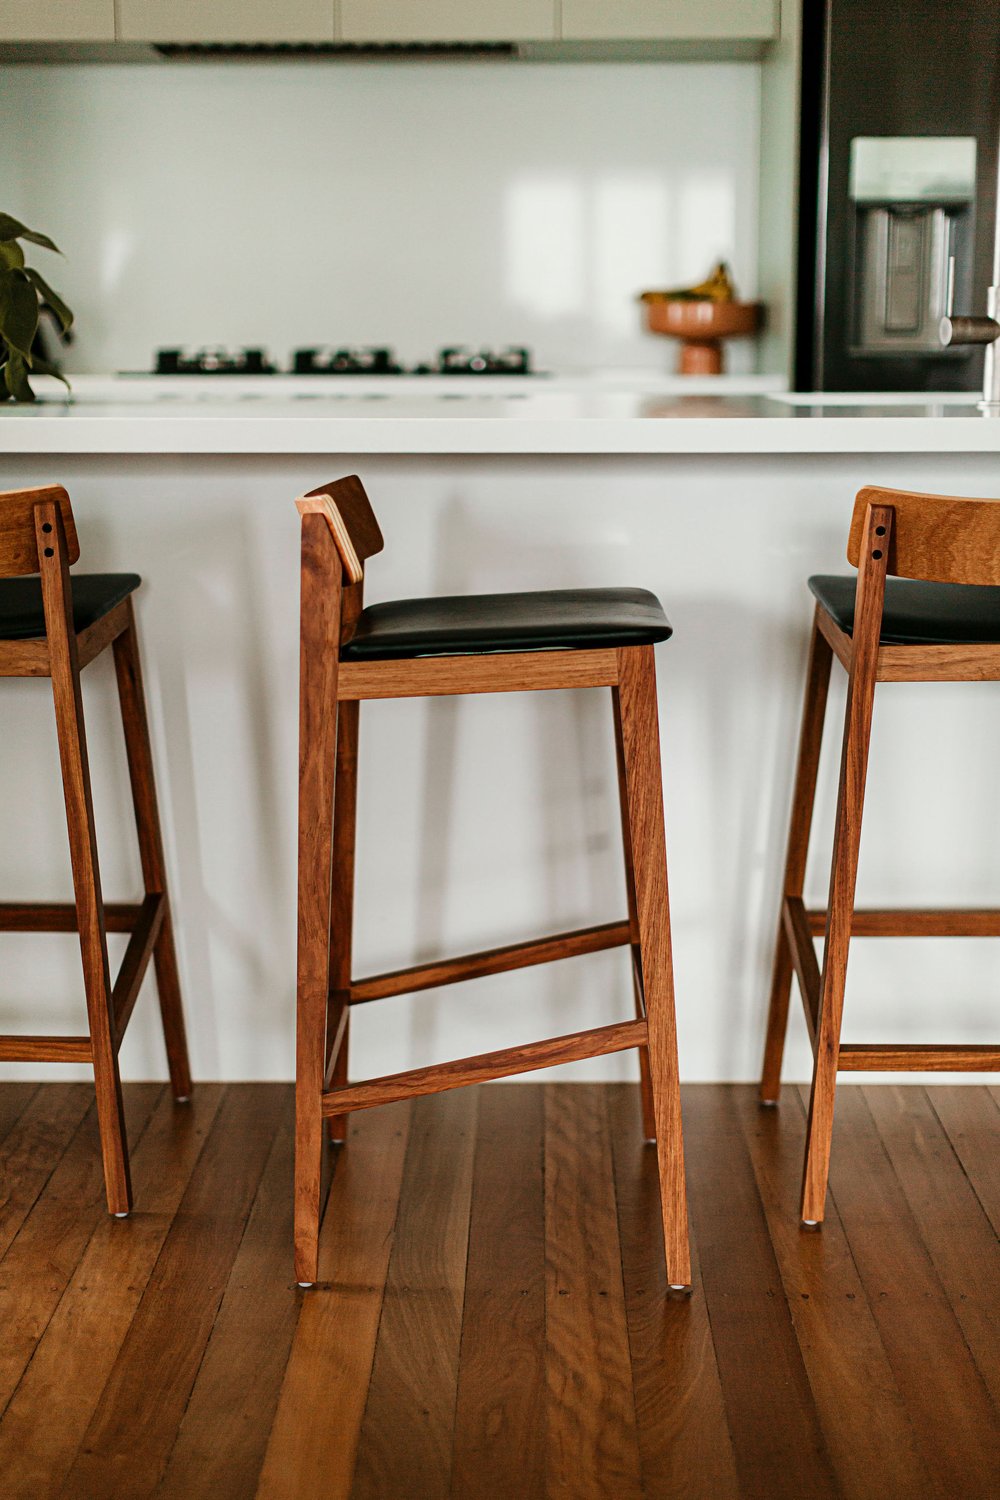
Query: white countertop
[[457, 416]]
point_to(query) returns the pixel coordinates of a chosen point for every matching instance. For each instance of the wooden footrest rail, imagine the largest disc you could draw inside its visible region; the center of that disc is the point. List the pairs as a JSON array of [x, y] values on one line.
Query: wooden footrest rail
[[916, 922], [50, 916], [470, 1070], [491, 961], [45, 1049], [801, 926], [804, 962], [917, 1059], [143, 922]]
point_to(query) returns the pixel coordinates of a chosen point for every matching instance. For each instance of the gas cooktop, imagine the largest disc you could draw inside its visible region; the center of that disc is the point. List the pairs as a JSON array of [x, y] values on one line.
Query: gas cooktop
[[325, 359]]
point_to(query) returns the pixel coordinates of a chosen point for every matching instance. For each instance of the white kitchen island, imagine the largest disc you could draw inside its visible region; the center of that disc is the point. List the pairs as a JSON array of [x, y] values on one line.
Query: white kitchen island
[[482, 820]]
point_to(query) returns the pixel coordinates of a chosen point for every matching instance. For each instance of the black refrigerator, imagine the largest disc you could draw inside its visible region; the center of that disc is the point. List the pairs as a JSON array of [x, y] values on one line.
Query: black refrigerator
[[898, 169]]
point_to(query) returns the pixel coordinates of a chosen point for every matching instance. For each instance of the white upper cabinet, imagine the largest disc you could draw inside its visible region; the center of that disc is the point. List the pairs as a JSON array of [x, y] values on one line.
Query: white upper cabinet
[[670, 20], [225, 20], [57, 20], [448, 20]]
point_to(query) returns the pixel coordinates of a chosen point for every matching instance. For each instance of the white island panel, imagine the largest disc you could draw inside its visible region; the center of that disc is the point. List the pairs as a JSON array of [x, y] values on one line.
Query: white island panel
[[482, 820]]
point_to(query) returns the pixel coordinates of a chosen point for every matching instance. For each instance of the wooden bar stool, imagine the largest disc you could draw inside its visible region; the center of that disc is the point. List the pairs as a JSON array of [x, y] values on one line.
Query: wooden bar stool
[[497, 643], [53, 626], [943, 628]]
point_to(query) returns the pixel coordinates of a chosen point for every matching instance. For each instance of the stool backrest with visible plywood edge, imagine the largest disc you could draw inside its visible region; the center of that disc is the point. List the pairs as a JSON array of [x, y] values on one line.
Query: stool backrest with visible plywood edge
[[474, 644], [924, 607], [53, 624]]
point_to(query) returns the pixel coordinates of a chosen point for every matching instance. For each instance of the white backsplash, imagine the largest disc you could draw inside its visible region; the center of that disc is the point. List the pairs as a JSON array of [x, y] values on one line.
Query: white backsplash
[[406, 203]]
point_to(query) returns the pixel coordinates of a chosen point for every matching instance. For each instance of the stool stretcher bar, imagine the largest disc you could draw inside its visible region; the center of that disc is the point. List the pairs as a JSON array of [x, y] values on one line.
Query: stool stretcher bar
[[125, 990], [46, 1049], [47, 916], [889, 1058], [804, 960], [916, 921], [470, 1070], [491, 961]]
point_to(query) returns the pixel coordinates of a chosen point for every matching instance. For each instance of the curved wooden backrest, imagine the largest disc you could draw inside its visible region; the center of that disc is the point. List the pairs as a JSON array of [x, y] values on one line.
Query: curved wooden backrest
[[940, 538], [18, 544], [350, 518]]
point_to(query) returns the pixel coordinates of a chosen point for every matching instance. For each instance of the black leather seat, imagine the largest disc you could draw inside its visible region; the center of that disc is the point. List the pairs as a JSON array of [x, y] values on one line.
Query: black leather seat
[[22, 617], [918, 613], [469, 625]]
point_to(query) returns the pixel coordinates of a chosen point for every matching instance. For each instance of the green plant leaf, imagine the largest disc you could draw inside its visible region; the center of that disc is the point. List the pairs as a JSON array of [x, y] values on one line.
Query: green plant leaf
[[11, 253], [18, 311], [16, 379], [13, 229], [46, 293], [42, 367]]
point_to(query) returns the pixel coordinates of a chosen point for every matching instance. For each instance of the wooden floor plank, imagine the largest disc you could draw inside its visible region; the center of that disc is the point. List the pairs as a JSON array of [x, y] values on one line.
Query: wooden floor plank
[[684, 1443], [223, 1436], [128, 1442], [592, 1443], [47, 1249], [959, 1238], [313, 1444], [971, 1118], [86, 1332], [493, 1320], [33, 1148], [14, 1100], [500, 1416], [954, 1421], [836, 1331], [405, 1447], [772, 1415]]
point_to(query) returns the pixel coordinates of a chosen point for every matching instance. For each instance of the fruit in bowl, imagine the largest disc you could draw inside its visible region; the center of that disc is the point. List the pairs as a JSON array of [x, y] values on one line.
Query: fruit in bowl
[[701, 316]]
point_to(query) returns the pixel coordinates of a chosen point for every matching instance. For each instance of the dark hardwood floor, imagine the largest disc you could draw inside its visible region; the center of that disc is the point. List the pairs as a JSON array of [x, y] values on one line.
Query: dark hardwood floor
[[493, 1320]]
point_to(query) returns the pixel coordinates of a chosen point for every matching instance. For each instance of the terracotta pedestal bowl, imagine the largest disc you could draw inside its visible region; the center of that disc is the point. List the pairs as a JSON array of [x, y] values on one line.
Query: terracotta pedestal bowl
[[701, 326]]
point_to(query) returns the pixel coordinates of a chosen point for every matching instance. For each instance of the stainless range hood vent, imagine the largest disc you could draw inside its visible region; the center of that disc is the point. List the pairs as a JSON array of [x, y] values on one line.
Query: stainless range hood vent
[[279, 51]]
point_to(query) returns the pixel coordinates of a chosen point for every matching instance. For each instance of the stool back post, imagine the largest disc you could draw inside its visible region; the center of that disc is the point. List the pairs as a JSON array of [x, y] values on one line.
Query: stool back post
[[54, 553], [872, 561]]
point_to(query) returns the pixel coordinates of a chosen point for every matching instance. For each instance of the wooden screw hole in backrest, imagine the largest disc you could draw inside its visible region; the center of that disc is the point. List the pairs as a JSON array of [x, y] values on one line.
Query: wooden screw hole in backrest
[[937, 538], [18, 539], [351, 520]]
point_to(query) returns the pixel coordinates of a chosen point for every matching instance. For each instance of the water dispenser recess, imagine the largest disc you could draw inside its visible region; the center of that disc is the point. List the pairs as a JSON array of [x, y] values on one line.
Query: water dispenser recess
[[912, 198]]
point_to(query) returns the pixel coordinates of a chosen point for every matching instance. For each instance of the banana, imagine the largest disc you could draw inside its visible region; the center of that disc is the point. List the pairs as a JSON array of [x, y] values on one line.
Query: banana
[[717, 288]]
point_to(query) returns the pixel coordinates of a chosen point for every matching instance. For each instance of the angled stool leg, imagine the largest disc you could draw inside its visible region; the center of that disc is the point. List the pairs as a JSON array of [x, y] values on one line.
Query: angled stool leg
[[132, 698], [65, 671], [318, 673], [800, 824], [342, 895], [641, 752], [844, 869], [645, 1083]]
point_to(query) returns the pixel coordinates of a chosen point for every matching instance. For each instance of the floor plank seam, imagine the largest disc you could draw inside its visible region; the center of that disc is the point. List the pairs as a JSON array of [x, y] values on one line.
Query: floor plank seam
[[91, 1110], [928, 1251]]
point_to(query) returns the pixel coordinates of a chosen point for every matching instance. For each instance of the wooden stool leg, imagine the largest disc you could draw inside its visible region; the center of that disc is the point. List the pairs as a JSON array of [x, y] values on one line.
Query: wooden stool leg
[[844, 869], [318, 672], [72, 736], [645, 1082], [800, 825], [641, 752], [131, 696], [342, 895]]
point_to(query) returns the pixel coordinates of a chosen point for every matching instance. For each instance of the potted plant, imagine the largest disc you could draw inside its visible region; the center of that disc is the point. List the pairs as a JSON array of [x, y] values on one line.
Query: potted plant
[[22, 292]]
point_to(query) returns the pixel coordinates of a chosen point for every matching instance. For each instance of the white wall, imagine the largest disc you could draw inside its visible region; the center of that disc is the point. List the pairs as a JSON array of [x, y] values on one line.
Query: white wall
[[407, 203]]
